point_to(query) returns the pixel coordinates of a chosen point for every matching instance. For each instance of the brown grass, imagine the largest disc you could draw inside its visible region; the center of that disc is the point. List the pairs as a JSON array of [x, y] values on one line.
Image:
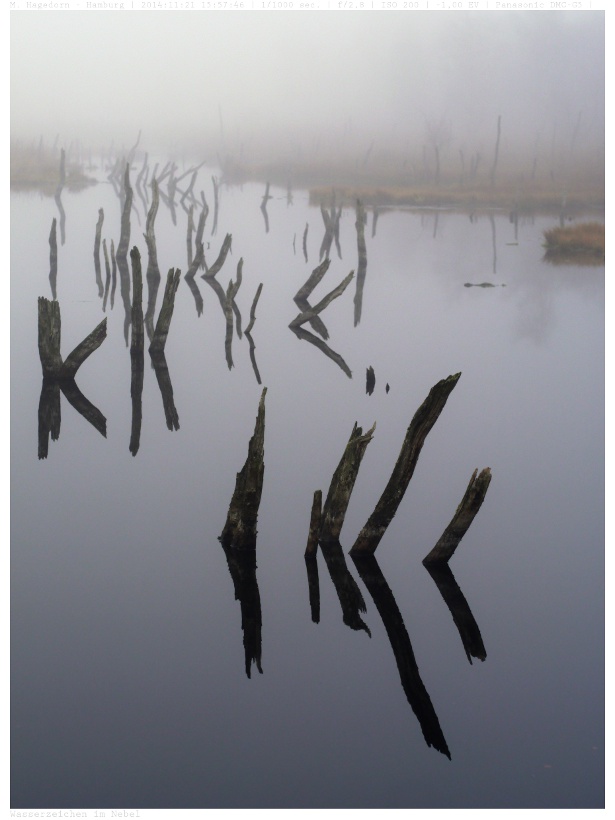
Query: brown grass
[[576, 243]]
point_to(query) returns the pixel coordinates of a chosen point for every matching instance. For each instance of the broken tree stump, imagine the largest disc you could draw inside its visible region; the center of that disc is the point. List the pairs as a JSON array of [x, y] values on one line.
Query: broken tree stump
[[342, 484], [240, 527], [161, 332], [466, 511], [422, 422], [49, 333]]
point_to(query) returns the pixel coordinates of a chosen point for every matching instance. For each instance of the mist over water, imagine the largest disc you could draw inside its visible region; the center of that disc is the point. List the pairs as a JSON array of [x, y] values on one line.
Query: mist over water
[[264, 85]]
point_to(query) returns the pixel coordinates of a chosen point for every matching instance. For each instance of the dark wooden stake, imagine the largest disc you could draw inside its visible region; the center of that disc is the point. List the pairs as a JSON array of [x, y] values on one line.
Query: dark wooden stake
[[470, 504], [161, 333], [424, 419], [240, 528], [342, 484]]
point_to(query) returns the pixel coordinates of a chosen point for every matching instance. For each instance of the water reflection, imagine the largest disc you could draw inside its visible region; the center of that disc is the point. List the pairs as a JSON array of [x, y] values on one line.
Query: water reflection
[[310, 314], [53, 260], [460, 610], [49, 415], [99, 224], [412, 684], [361, 219], [58, 197]]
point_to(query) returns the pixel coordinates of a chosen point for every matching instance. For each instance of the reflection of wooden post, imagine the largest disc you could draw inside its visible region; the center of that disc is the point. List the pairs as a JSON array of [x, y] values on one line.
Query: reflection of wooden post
[[99, 224], [240, 528], [53, 259], [497, 151], [315, 524], [122, 248], [470, 504], [424, 419], [362, 264], [413, 686], [347, 590], [459, 608], [311, 565], [217, 265]]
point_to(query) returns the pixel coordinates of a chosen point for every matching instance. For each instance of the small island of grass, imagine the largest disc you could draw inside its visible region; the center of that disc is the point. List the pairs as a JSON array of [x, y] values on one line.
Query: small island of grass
[[582, 243]]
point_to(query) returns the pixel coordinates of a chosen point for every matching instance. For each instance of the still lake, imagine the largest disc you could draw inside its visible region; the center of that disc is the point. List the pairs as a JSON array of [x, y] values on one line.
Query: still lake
[[129, 684]]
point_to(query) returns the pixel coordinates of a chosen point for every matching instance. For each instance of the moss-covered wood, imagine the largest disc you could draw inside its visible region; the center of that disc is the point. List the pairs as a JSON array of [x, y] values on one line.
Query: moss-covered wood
[[422, 422], [464, 515]]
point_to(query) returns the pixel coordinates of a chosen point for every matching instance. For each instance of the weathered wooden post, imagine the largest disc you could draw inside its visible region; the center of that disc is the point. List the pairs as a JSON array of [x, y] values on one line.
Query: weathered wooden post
[[60, 375], [161, 332], [240, 527], [342, 484], [422, 422], [137, 364], [362, 263], [464, 515]]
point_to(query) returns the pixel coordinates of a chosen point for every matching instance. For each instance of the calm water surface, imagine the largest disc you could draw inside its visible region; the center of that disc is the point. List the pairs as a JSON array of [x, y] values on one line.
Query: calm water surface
[[129, 684]]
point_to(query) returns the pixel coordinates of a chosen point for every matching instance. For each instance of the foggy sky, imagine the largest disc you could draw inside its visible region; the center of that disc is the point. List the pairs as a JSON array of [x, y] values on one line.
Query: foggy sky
[[183, 77]]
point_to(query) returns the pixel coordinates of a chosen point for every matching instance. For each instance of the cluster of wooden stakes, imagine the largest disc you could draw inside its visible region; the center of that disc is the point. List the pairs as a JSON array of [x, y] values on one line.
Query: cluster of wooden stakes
[[238, 537]]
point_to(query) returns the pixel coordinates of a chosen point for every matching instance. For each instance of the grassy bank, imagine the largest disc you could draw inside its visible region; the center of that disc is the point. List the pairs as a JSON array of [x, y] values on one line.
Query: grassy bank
[[36, 168], [583, 243]]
